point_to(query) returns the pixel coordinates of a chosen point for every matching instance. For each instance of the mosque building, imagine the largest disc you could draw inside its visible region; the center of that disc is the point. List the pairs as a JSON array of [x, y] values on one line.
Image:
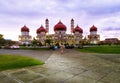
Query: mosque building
[[60, 35]]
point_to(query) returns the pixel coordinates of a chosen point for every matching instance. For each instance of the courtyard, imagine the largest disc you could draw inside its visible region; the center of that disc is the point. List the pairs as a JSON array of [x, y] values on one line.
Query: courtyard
[[70, 67]]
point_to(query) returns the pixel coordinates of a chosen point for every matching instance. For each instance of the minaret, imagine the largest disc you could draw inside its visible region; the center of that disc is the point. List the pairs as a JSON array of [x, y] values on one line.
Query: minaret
[[47, 25], [72, 25]]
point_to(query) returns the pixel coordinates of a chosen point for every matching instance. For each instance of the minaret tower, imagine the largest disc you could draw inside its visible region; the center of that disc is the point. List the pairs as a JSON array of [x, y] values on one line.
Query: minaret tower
[[72, 25], [47, 25]]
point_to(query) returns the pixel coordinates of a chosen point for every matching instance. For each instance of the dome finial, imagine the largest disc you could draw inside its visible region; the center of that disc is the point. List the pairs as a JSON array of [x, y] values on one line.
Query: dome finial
[[59, 20], [41, 25], [46, 19], [24, 25], [72, 19]]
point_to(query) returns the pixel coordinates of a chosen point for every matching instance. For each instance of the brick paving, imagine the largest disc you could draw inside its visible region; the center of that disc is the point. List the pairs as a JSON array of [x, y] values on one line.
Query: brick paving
[[70, 67]]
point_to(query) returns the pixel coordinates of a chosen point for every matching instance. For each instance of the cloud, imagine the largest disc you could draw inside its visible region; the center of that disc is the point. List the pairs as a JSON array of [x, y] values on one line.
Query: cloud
[[58, 7], [104, 14], [112, 29], [91, 6]]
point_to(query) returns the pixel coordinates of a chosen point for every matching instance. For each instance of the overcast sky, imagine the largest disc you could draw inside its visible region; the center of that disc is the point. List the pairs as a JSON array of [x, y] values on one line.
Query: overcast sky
[[104, 14]]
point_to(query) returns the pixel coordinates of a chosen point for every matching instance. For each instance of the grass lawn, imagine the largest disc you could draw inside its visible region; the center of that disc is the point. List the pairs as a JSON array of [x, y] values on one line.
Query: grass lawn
[[16, 61], [113, 49]]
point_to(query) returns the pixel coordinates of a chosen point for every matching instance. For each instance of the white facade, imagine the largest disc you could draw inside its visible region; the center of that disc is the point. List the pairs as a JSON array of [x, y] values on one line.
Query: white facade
[[94, 38]]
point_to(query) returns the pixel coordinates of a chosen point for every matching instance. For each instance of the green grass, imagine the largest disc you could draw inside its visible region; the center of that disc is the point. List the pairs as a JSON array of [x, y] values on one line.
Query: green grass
[[16, 61], [113, 49]]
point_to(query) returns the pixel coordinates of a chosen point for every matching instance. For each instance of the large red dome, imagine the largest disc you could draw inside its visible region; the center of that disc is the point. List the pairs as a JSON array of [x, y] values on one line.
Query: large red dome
[[24, 28], [59, 26], [77, 29], [41, 29], [93, 28]]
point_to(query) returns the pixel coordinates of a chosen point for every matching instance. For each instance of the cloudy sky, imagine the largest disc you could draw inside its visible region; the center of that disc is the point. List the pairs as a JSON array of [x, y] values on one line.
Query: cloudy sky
[[104, 14]]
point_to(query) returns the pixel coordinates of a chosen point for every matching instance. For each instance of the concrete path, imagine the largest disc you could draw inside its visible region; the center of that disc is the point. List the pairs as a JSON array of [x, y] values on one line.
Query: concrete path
[[70, 67]]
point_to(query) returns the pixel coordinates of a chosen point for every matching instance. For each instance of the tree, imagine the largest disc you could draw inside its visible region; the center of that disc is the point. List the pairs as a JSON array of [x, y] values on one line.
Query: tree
[[49, 41], [36, 42], [1, 36], [2, 40], [5, 42], [9, 42], [85, 41]]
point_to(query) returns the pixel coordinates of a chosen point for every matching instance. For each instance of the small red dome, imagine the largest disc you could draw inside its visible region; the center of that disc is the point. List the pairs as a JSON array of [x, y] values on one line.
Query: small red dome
[[59, 26], [24, 28], [77, 29], [41, 29], [93, 28]]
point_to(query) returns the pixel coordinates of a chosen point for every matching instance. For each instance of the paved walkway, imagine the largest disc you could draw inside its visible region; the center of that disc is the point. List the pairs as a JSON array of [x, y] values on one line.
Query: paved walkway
[[70, 67]]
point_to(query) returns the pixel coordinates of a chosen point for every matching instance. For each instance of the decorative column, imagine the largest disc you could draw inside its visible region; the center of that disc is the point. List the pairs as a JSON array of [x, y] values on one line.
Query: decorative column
[[72, 26], [47, 25]]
